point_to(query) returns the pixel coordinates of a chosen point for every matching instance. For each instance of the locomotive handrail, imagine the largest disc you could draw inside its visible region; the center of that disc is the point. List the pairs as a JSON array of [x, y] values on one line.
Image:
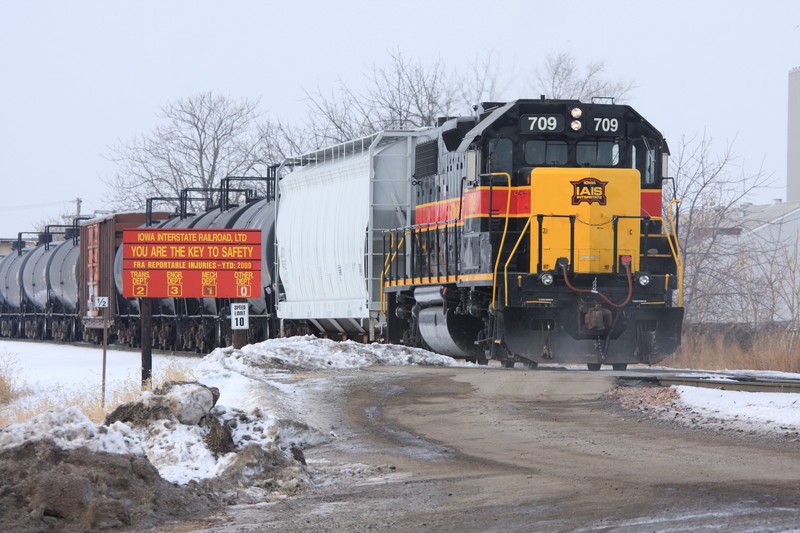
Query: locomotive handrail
[[513, 251], [387, 264], [672, 240], [539, 218], [505, 228], [394, 251], [674, 247], [676, 251], [615, 227]]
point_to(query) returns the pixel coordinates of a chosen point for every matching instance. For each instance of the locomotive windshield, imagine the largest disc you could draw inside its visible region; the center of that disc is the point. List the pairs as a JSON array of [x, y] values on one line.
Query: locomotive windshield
[[542, 152], [555, 134], [602, 153]]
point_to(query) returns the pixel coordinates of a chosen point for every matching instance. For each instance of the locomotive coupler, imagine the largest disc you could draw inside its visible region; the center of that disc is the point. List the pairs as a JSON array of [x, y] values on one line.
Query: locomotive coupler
[[598, 319]]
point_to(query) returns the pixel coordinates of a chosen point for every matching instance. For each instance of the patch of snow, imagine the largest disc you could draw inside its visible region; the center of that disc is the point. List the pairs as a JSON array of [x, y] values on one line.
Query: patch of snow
[[762, 412], [69, 428], [177, 447]]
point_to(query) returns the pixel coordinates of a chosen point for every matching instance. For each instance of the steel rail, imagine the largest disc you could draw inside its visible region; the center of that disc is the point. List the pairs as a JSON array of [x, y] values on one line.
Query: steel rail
[[732, 383]]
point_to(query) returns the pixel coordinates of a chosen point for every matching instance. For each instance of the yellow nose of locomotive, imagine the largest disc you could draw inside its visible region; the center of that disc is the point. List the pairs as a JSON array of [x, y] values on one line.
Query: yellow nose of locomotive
[[594, 196]]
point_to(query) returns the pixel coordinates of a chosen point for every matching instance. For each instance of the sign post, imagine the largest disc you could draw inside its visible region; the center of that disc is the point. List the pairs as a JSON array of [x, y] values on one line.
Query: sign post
[[146, 323], [240, 323], [101, 302]]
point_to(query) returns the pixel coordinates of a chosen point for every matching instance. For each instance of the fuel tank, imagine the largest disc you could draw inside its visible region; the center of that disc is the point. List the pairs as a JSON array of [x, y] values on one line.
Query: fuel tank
[[443, 330]]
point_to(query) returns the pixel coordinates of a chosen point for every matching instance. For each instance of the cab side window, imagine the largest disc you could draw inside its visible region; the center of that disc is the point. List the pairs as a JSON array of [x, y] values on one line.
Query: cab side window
[[643, 159], [500, 158]]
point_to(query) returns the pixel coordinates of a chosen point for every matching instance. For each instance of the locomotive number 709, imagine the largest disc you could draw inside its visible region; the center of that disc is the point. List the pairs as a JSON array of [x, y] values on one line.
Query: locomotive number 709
[[541, 123], [606, 125]]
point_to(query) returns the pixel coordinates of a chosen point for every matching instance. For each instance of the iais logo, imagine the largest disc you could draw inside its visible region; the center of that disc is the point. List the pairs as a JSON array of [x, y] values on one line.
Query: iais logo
[[589, 190]]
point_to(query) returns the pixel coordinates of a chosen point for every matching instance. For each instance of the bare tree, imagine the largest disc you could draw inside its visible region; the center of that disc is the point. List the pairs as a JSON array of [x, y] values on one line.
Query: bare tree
[[481, 82], [200, 140], [410, 93], [406, 94], [562, 77], [712, 189], [787, 267]]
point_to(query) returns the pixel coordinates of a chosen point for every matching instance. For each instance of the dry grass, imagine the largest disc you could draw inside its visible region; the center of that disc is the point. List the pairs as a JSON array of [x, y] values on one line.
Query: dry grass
[[10, 388], [89, 399], [779, 351]]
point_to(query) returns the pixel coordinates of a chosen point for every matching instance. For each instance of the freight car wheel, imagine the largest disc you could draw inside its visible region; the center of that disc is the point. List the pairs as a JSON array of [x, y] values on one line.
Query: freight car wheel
[[594, 367], [620, 366]]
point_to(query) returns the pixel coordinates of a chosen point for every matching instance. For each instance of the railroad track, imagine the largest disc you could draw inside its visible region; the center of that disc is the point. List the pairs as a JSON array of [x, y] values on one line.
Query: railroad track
[[730, 382]]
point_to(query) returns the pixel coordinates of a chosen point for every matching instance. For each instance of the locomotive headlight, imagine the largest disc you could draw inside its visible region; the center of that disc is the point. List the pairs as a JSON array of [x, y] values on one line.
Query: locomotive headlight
[[546, 279], [576, 112], [576, 125], [644, 280]]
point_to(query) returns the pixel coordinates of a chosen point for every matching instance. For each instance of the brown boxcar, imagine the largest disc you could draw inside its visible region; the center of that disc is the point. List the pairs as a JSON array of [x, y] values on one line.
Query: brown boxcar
[[100, 237]]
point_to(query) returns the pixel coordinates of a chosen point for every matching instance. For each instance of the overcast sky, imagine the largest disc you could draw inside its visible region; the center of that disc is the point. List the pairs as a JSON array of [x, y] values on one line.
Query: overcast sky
[[77, 76]]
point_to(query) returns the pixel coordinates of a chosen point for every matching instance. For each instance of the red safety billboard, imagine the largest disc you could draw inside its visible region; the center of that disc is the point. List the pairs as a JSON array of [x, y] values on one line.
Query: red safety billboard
[[191, 263]]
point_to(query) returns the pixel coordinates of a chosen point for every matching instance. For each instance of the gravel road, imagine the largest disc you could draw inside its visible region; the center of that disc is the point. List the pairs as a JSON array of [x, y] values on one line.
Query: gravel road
[[489, 449]]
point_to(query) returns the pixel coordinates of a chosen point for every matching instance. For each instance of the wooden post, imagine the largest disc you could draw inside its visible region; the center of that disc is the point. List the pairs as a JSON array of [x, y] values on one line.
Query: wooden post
[[239, 338], [239, 329], [146, 317]]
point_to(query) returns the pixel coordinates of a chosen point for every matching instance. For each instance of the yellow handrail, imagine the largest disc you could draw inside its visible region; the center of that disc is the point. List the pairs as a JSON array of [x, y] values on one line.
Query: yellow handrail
[[511, 256], [386, 265], [505, 230], [674, 248], [676, 251]]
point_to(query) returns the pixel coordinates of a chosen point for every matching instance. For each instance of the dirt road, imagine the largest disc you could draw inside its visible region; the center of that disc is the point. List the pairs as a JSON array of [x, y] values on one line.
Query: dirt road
[[487, 449]]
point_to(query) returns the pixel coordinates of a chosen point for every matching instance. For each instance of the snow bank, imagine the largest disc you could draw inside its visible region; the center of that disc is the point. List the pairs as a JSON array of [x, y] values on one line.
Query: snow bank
[[174, 437], [312, 353], [69, 428]]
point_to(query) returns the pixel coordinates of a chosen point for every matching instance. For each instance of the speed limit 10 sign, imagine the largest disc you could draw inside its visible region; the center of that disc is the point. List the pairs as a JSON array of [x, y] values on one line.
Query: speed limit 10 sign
[[240, 318]]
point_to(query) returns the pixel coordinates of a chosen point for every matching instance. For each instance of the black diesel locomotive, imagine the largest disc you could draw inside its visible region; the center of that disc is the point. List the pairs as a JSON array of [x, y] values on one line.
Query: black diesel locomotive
[[541, 239], [531, 231]]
